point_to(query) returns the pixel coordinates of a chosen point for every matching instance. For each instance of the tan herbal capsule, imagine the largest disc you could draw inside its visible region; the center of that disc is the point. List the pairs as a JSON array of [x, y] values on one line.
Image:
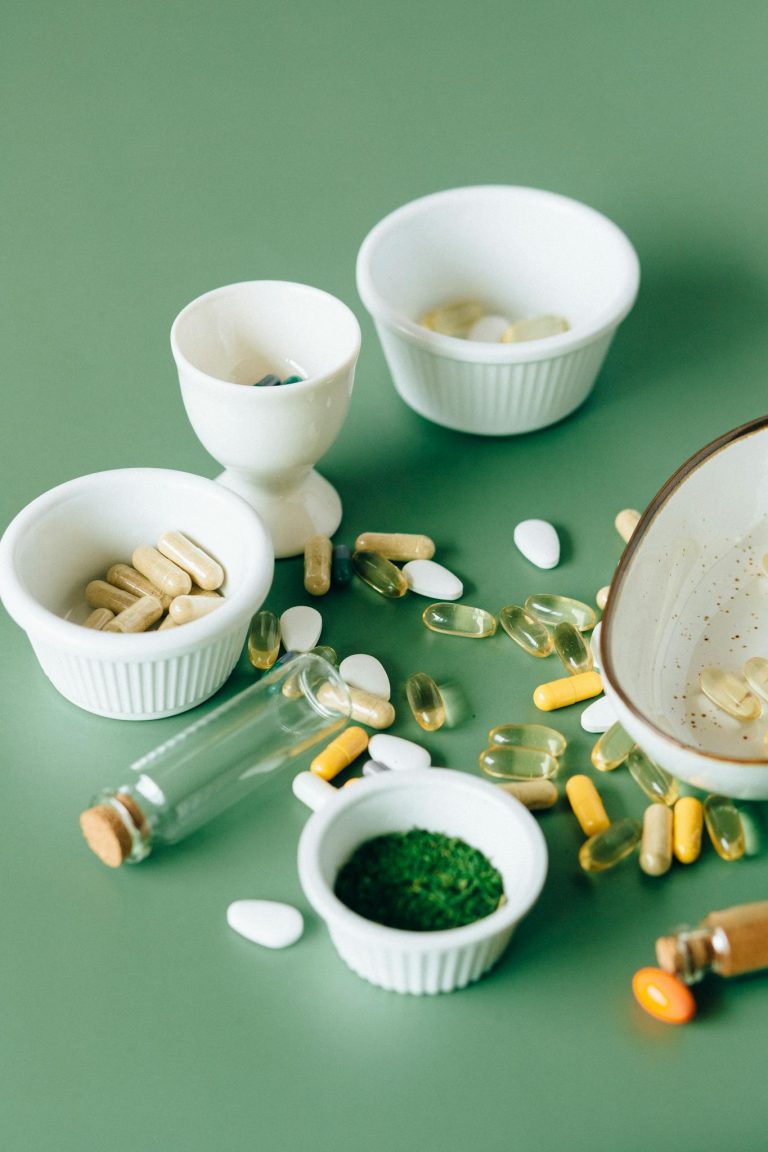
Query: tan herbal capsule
[[371, 710], [166, 623], [656, 844], [127, 578], [100, 594], [396, 545], [183, 609], [535, 794], [99, 619], [318, 551], [625, 523], [138, 617], [203, 569], [163, 573]]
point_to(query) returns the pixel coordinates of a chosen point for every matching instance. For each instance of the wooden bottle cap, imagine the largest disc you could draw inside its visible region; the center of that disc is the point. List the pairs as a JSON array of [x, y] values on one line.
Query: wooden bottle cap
[[107, 834]]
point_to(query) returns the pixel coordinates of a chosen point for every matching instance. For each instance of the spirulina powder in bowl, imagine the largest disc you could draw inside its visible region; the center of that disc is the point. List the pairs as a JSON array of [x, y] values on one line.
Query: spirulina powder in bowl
[[419, 881]]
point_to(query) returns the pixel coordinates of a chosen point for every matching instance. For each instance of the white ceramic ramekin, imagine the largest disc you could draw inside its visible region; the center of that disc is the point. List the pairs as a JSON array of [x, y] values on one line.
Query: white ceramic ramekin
[[439, 800], [523, 252], [73, 533]]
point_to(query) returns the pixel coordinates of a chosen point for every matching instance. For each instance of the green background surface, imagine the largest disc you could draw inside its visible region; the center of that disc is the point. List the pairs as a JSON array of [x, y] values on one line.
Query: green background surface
[[151, 151]]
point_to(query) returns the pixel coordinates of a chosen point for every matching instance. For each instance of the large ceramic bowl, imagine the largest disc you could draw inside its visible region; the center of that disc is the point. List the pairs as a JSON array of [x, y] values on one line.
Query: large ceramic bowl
[[691, 592]]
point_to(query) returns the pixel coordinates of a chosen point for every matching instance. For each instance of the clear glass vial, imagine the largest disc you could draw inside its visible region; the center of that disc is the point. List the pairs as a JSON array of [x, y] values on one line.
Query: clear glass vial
[[729, 943]]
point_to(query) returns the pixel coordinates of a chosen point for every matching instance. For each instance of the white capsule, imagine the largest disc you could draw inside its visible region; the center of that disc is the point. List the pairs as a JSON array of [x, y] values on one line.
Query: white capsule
[[300, 628], [428, 578], [312, 790], [398, 754], [598, 716], [266, 922], [538, 541], [367, 673], [594, 643], [488, 329]]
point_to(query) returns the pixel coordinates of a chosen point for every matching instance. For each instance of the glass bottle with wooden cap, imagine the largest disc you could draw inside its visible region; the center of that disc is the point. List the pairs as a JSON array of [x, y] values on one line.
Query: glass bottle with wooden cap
[[729, 943]]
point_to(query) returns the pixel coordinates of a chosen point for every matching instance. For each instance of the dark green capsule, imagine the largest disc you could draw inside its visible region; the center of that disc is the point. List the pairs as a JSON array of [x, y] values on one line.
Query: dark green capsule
[[342, 569]]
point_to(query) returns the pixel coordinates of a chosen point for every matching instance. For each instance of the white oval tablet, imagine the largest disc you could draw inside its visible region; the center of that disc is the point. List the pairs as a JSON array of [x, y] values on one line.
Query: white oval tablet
[[538, 541], [312, 790], [266, 922], [367, 673], [427, 578], [598, 716], [396, 753], [300, 628], [594, 643], [488, 329]]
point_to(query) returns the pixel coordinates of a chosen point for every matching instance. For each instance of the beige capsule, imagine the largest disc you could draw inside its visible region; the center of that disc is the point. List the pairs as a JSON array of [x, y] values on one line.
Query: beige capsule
[[396, 545], [318, 551], [366, 708], [203, 569], [166, 623], [601, 597], [101, 594], [625, 523], [99, 619], [535, 794], [656, 844], [183, 609], [162, 572], [138, 617], [125, 577]]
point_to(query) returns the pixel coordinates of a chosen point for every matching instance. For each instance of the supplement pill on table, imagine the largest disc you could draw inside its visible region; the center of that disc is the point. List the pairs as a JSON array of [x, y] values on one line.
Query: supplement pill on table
[[318, 552], [651, 777], [587, 804], [552, 609], [380, 574], [663, 995], [396, 545], [342, 570], [612, 748], [340, 753], [687, 827], [606, 849], [535, 794], [569, 690], [459, 620], [263, 642], [508, 762], [723, 823], [656, 844], [425, 701], [529, 736], [531, 634], [625, 523], [573, 650]]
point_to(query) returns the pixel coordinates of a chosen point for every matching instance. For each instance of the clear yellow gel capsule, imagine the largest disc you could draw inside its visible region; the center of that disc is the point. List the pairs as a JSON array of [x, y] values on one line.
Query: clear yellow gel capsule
[[553, 610], [756, 675], [534, 328], [454, 319], [655, 782], [318, 551], [612, 748], [605, 849], [656, 843], [587, 805], [723, 824], [687, 826], [507, 762], [327, 653], [535, 794], [569, 690], [529, 736], [396, 545], [459, 620], [264, 639], [532, 636], [729, 692], [574, 652], [380, 573], [425, 701], [340, 753]]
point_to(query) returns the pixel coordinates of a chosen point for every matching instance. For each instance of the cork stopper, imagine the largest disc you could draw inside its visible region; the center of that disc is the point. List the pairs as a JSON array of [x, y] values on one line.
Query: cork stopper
[[667, 954], [686, 955], [107, 834]]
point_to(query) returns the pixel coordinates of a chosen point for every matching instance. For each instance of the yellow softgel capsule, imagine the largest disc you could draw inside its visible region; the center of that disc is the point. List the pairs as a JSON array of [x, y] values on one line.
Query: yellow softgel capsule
[[724, 826], [340, 753], [605, 849], [453, 619], [396, 545], [125, 577], [534, 328], [569, 690], [612, 748], [756, 675], [574, 652], [730, 692], [162, 572], [454, 319], [380, 573], [535, 794], [206, 572], [138, 617], [687, 827], [507, 762], [587, 805], [655, 782], [552, 609], [263, 639], [425, 701], [529, 736], [532, 636], [318, 552], [656, 843]]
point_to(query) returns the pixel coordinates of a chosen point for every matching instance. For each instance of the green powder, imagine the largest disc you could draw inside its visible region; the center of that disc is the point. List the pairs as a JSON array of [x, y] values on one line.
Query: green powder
[[420, 881]]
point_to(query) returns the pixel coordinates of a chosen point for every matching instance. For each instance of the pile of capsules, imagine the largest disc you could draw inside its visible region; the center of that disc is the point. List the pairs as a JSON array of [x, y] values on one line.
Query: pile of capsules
[[161, 588], [472, 320]]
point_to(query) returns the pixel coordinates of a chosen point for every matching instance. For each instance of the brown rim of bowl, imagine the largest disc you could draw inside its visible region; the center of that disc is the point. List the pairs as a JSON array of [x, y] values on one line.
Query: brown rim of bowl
[[657, 503]]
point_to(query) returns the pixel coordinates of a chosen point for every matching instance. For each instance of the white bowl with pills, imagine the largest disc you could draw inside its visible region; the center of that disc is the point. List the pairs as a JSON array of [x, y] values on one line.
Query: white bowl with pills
[[496, 305], [143, 643], [685, 634], [435, 800]]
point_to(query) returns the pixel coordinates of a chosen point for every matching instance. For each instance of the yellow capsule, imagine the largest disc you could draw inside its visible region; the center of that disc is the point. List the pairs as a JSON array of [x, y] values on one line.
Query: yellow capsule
[[204, 570], [340, 753], [125, 577], [723, 824], [605, 849], [100, 594], [380, 573], [396, 545], [162, 572], [453, 619], [318, 551], [184, 609], [532, 636], [625, 523], [138, 617], [574, 652], [729, 692], [535, 794], [756, 675], [98, 619], [263, 639], [534, 328], [425, 701], [507, 762], [612, 748], [529, 736], [569, 690], [587, 806], [553, 610], [687, 826], [651, 777], [454, 319], [656, 844]]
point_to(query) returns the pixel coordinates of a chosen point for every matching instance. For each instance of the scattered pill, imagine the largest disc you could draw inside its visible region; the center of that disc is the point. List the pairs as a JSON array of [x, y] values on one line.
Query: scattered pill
[[598, 716], [569, 690], [371, 710], [340, 753], [380, 574], [756, 675], [263, 642], [300, 628], [587, 805], [606, 849], [488, 329], [428, 578], [203, 569], [137, 617], [687, 827], [374, 768], [100, 594], [397, 753], [184, 609], [318, 551], [266, 922], [625, 523], [535, 794], [612, 748], [723, 823], [459, 620], [312, 790], [529, 736], [538, 541], [508, 762], [125, 577], [98, 619], [162, 572], [574, 652], [367, 673], [601, 596], [425, 701], [730, 692], [396, 545], [342, 570], [534, 328], [656, 842], [663, 996], [655, 782], [532, 636], [455, 319], [553, 609]]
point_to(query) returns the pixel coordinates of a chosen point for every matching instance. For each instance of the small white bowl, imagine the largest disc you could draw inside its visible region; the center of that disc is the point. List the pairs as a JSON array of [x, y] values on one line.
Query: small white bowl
[[439, 800], [523, 252], [73, 533], [690, 592]]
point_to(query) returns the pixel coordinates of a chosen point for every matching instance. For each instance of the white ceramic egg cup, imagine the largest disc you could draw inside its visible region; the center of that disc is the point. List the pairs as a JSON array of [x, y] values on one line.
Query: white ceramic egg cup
[[269, 439]]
